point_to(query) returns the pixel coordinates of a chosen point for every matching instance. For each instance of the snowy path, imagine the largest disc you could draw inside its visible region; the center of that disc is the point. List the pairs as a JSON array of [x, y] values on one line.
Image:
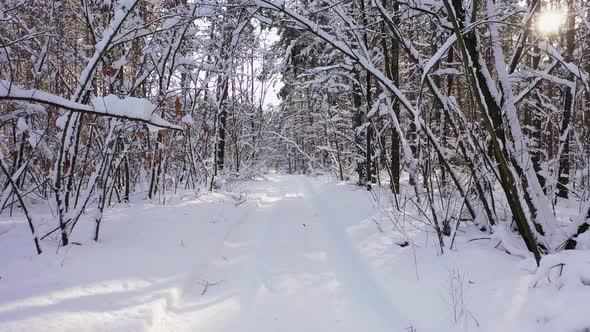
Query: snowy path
[[281, 261], [295, 270]]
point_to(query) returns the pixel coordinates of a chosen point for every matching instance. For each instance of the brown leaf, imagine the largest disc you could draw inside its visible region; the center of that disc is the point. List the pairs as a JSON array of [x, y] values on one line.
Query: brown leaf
[[178, 107], [109, 71], [66, 166]]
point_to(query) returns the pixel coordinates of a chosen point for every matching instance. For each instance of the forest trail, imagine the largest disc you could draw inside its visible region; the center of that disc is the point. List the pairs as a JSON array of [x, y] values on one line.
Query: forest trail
[[295, 271], [280, 260]]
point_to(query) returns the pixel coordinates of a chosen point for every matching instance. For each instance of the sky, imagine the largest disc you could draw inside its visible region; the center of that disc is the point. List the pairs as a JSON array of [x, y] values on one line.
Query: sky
[[270, 37]]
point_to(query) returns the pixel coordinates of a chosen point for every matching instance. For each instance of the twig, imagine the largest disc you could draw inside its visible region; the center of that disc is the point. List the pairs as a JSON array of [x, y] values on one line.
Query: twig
[[207, 284], [480, 238]]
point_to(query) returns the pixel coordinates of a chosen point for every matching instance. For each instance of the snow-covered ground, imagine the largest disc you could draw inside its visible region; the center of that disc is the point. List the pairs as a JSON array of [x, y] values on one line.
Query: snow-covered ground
[[298, 254]]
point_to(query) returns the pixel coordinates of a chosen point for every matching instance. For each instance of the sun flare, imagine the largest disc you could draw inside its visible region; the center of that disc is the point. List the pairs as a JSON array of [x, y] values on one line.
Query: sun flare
[[550, 21]]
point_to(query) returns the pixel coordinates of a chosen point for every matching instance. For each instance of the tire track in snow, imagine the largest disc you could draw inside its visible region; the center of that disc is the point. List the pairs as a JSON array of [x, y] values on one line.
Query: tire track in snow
[[256, 277], [355, 272], [278, 248]]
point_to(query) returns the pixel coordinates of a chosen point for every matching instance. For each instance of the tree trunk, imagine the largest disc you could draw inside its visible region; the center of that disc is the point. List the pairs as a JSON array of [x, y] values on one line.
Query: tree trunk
[[568, 106]]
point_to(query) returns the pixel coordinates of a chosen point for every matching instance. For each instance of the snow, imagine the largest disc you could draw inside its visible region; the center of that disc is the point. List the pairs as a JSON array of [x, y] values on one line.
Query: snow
[[572, 68], [13, 91], [129, 107], [34, 138], [22, 125], [126, 107], [188, 119], [281, 253], [439, 54], [120, 63]]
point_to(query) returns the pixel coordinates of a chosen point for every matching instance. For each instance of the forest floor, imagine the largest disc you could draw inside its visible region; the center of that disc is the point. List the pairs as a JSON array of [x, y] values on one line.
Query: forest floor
[[283, 253]]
